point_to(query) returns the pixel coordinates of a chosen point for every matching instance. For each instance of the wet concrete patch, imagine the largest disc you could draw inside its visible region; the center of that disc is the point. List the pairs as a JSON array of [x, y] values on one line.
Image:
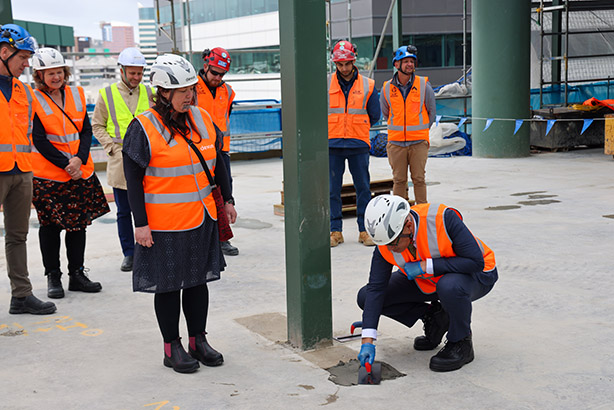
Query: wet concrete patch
[[346, 373], [539, 202], [502, 207], [251, 224], [609, 216], [528, 193], [542, 196], [106, 220]]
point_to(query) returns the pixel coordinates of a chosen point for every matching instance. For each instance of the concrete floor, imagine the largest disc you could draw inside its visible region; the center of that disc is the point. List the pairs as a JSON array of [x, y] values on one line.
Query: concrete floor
[[542, 337]]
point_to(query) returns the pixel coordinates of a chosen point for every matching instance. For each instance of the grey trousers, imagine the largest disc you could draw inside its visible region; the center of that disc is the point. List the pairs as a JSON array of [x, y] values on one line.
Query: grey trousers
[[16, 200]]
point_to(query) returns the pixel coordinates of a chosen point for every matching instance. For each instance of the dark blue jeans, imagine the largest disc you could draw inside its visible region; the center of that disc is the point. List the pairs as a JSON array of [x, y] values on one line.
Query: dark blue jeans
[[359, 168], [124, 221], [406, 303]]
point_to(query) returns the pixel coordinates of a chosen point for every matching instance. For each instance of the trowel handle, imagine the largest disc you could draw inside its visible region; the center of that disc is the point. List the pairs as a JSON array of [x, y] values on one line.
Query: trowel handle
[[368, 367], [355, 325]]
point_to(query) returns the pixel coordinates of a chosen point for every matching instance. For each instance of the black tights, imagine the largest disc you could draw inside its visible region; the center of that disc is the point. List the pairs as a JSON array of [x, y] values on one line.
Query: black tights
[[49, 239], [195, 303]]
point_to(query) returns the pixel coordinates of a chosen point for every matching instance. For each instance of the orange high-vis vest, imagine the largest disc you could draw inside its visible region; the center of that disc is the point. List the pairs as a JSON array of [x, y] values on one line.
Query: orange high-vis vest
[[351, 119], [432, 241], [16, 116], [218, 108], [177, 190], [408, 119], [61, 133]]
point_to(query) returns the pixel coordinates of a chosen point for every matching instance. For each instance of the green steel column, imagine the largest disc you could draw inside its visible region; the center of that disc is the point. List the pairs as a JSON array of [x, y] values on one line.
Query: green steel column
[[397, 25], [302, 28], [501, 76], [6, 12]]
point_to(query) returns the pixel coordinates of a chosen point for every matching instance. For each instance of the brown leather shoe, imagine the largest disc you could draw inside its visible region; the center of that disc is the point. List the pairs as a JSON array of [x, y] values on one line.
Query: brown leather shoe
[[365, 239], [335, 239]]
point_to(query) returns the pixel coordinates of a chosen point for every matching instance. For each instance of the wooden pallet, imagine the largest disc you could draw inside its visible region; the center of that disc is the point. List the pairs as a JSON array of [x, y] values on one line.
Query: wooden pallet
[[348, 196]]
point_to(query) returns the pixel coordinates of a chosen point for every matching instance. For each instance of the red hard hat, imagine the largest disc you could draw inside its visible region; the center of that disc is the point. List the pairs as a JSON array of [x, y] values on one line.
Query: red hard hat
[[217, 57], [344, 51]]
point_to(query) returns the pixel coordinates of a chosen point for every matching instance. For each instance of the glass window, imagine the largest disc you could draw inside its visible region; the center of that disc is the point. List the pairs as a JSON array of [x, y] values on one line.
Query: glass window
[[232, 8], [429, 50], [272, 5], [258, 6]]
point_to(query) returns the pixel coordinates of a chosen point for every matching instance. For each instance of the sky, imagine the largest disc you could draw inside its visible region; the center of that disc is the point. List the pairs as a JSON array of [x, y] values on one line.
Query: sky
[[84, 15]]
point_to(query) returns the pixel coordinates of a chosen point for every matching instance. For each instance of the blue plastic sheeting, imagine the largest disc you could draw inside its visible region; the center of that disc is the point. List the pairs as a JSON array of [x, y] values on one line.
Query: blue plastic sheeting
[[466, 151], [261, 120], [576, 94]]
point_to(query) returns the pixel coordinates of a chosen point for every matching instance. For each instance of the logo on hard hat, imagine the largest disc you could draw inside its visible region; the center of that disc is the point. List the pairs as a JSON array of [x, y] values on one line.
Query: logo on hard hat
[[185, 65], [224, 55]]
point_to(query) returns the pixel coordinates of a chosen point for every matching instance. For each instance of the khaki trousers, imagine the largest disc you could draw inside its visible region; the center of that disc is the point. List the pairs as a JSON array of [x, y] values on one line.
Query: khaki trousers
[[16, 200], [400, 158]]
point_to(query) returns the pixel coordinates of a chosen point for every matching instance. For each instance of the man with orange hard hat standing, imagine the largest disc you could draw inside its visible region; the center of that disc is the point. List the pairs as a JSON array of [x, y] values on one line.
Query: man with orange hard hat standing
[[353, 108], [215, 96]]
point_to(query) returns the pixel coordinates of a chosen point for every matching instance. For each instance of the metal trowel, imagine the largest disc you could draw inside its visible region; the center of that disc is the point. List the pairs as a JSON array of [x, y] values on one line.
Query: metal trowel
[[370, 374]]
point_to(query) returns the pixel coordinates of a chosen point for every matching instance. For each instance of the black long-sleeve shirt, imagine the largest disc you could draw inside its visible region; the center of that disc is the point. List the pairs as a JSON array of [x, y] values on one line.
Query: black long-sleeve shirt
[[51, 153], [136, 159]]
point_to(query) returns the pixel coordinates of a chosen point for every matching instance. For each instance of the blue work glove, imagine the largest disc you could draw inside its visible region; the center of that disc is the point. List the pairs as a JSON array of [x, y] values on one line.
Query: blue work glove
[[367, 353], [413, 269]]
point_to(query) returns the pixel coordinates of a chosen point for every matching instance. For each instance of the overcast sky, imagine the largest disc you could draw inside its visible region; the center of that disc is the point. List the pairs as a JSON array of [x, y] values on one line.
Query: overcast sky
[[84, 15]]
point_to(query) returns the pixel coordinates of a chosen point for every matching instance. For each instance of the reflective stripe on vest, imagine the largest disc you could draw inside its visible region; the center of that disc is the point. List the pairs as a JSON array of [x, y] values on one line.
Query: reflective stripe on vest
[[432, 241], [61, 133], [119, 115], [348, 117], [176, 187], [16, 119], [399, 114]]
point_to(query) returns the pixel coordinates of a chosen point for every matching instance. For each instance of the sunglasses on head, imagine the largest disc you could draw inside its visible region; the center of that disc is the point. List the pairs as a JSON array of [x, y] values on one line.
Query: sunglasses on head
[[217, 74]]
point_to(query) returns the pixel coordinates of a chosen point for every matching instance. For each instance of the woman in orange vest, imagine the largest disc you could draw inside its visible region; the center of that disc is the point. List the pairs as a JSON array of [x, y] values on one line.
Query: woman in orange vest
[[172, 160], [438, 260], [67, 193]]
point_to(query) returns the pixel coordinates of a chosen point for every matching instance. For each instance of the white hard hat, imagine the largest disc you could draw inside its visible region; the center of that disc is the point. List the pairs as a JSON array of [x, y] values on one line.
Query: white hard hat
[[131, 57], [385, 217], [172, 71], [46, 57]]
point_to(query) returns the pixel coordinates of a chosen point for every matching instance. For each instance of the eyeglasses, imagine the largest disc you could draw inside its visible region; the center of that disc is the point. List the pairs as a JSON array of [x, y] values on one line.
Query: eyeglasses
[[398, 239], [217, 74]]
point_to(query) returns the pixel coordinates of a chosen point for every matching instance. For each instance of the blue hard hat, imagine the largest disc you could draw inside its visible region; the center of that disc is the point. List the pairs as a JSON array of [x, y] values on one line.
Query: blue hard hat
[[18, 37], [404, 52]]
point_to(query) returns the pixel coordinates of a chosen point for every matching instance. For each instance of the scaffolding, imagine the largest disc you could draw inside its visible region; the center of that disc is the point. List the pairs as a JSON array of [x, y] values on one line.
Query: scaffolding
[[573, 61]]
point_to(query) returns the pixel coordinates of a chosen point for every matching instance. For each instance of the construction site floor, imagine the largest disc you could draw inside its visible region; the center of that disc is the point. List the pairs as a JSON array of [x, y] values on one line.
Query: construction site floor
[[542, 337]]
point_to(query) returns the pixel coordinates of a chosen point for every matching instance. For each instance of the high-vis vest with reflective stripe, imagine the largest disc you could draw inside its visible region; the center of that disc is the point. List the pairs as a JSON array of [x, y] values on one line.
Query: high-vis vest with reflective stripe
[[408, 119], [120, 115], [61, 133], [349, 119], [218, 108], [176, 187], [432, 241], [15, 135]]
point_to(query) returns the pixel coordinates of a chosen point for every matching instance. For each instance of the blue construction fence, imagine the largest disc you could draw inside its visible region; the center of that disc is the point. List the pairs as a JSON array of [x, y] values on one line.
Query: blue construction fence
[[251, 121]]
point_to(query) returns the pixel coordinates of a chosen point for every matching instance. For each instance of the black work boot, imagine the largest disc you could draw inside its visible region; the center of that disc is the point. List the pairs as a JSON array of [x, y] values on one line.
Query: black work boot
[[54, 284], [436, 323], [453, 356], [201, 350], [80, 282], [228, 249], [31, 304], [126, 265], [176, 357]]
